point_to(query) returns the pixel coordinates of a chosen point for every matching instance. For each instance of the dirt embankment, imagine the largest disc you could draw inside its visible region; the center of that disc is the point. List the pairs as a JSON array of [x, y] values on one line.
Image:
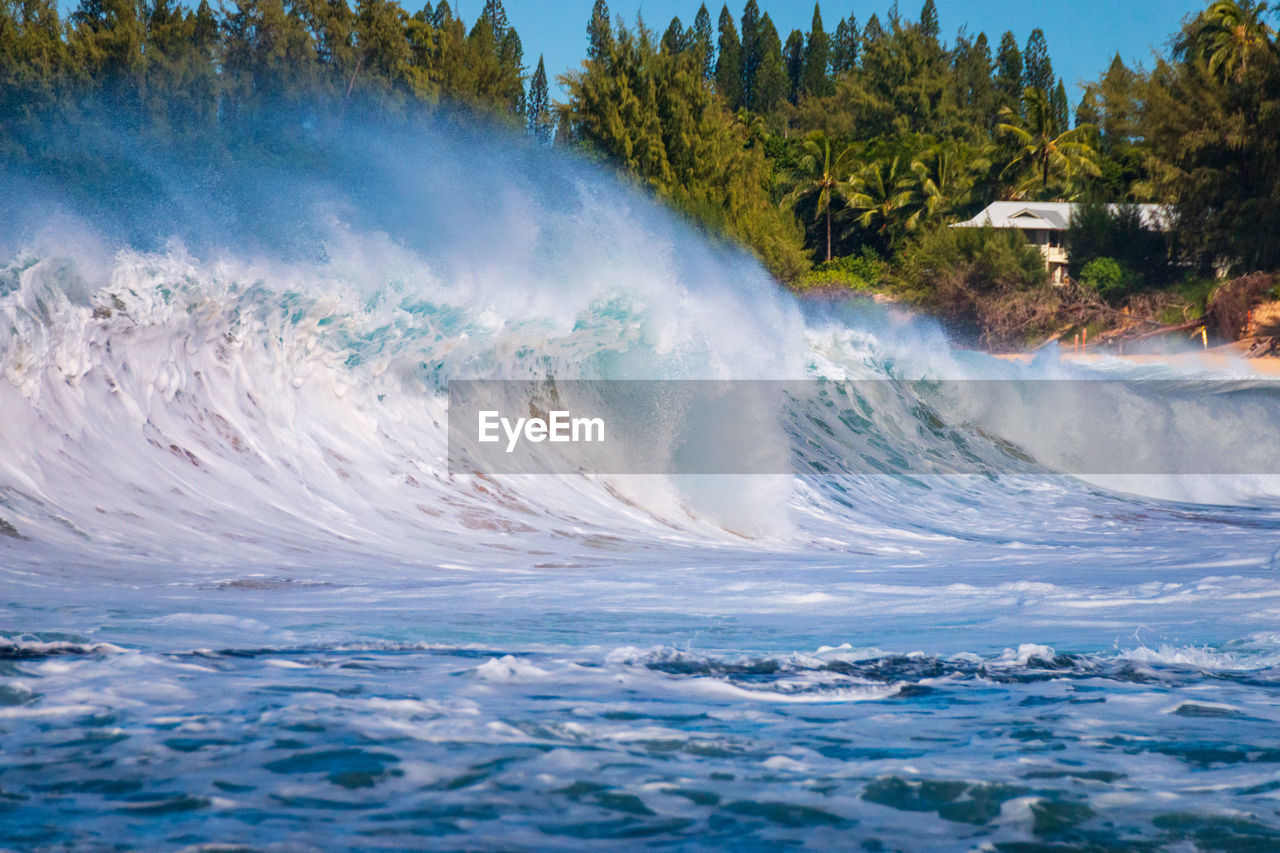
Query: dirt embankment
[[1243, 311]]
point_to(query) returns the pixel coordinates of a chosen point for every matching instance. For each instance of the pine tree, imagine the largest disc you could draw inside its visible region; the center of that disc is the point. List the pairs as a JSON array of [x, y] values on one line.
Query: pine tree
[[1120, 102], [422, 77], [106, 40], [814, 80], [204, 33], [268, 56], [480, 74], [541, 122], [599, 32], [384, 52], [929, 21], [511, 60], [181, 87], [729, 63], [1037, 70], [793, 59], [454, 68], [1112, 105], [974, 87], [660, 122], [844, 47], [673, 40], [702, 42], [1009, 70], [771, 85], [442, 15], [872, 32], [750, 51], [1060, 106], [334, 25], [497, 18]]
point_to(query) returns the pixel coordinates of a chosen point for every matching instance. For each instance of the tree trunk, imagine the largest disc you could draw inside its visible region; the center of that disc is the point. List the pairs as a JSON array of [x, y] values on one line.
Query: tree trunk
[[828, 232]]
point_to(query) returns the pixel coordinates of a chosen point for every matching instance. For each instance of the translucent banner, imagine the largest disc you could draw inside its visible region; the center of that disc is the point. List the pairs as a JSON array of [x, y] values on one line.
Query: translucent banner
[[858, 427]]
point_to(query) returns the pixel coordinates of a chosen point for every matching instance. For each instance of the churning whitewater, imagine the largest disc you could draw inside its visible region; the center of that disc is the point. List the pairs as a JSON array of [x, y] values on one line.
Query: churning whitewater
[[245, 602]]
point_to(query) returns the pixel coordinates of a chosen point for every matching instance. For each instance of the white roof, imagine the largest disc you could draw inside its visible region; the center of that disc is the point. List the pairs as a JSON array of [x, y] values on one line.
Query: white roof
[[1054, 215]]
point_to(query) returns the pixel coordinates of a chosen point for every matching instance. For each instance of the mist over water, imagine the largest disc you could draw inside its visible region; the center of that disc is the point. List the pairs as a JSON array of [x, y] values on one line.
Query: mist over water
[[243, 601]]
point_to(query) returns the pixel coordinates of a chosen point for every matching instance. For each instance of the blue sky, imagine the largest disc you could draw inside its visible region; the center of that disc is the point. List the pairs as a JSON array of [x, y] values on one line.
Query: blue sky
[[1083, 35]]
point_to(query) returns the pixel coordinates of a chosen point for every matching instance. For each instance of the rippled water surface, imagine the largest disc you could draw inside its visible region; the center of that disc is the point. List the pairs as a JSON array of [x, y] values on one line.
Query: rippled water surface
[[392, 713]]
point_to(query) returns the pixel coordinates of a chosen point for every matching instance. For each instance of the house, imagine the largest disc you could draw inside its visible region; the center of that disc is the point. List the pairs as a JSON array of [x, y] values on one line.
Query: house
[[1044, 223]]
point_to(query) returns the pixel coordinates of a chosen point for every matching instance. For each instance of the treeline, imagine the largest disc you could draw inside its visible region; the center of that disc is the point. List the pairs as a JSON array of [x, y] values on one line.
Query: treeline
[[190, 74], [876, 134], [839, 154], [867, 133]]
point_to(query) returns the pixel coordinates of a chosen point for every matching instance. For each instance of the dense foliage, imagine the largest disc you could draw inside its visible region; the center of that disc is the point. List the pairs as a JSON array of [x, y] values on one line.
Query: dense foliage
[[193, 74], [1211, 127], [867, 134], [850, 145], [1117, 233], [652, 112], [878, 135], [979, 279]]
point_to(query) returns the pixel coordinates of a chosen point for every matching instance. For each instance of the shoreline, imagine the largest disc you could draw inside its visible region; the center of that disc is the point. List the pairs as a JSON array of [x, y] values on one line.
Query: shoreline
[[1214, 358]]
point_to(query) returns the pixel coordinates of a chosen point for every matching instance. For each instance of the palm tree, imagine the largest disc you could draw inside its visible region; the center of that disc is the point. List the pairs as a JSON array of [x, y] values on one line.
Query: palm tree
[[946, 174], [885, 199], [753, 126], [1044, 152], [1226, 35], [821, 173]]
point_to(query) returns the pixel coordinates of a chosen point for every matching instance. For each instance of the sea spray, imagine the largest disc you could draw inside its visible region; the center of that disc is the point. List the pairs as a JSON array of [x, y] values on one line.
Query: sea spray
[[307, 356]]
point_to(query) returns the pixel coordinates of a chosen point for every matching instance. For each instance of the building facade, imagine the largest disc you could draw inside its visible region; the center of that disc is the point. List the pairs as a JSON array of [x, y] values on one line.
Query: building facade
[[1045, 223]]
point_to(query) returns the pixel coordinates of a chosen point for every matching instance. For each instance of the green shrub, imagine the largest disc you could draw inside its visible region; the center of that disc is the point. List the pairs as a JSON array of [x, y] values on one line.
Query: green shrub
[[1107, 276], [981, 260], [981, 282], [857, 272], [1195, 291]]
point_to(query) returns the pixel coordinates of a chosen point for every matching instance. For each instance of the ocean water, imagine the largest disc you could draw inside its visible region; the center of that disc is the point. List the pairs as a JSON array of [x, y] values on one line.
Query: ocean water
[[245, 605]]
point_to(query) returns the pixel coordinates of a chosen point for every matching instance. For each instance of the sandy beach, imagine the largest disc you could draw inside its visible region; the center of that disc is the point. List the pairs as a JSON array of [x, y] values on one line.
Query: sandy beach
[[1226, 357]]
